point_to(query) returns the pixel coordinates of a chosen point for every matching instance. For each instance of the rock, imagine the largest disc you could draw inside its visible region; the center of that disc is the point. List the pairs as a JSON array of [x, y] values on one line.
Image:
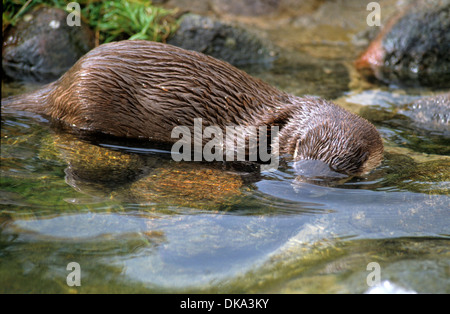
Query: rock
[[41, 47], [187, 185], [412, 49], [303, 74], [398, 172], [404, 173], [106, 174], [430, 113], [248, 8], [421, 123], [222, 41]]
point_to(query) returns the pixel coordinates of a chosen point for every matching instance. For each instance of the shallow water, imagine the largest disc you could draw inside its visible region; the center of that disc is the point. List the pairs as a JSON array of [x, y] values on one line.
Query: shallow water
[[136, 221]]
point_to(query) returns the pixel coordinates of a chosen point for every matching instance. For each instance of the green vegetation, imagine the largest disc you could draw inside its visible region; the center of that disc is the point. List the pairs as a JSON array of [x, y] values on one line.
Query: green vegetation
[[111, 20], [137, 20]]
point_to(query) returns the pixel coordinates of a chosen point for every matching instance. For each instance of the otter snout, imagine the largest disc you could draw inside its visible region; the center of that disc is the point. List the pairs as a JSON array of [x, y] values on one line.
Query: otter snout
[[320, 130]]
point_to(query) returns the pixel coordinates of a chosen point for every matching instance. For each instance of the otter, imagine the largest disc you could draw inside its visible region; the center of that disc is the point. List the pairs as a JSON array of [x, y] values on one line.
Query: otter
[[142, 89]]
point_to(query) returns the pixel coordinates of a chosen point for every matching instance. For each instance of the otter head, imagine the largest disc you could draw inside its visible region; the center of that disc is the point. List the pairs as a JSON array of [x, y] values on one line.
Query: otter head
[[352, 146], [315, 129]]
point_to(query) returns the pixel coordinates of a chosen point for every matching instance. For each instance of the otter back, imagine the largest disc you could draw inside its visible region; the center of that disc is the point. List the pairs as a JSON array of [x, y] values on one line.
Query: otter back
[[143, 89]]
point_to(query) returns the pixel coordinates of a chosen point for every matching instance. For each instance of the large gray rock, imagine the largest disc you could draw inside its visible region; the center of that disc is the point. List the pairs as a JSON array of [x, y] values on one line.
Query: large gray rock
[[223, 41], [413, 48], [41, 47]]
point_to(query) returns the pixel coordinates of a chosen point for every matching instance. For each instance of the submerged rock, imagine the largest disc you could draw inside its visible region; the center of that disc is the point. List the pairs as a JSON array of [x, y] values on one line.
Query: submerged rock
[[229, 43], [402, 172], [103, 173], [303, 74], [430, 113], [412, 49], [421, 123], [41, 47], [186, 185]]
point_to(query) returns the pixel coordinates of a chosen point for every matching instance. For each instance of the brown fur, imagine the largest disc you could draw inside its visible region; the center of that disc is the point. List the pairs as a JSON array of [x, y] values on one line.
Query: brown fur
[[142, 89]]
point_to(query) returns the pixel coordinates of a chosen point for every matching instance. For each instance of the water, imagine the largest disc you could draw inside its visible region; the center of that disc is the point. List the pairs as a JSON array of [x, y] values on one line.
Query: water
[[136, 221]]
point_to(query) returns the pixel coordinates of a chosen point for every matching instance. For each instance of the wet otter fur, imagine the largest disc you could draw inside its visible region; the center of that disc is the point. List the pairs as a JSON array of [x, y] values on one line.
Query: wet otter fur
[[143, 89]]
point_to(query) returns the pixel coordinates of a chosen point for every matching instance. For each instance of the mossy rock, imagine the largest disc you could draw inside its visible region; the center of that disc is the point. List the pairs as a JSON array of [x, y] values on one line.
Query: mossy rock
[[402, 172]]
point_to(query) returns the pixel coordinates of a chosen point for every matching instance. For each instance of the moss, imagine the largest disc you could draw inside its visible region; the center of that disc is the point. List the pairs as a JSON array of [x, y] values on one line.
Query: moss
[[188, 186], [403, 172]]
